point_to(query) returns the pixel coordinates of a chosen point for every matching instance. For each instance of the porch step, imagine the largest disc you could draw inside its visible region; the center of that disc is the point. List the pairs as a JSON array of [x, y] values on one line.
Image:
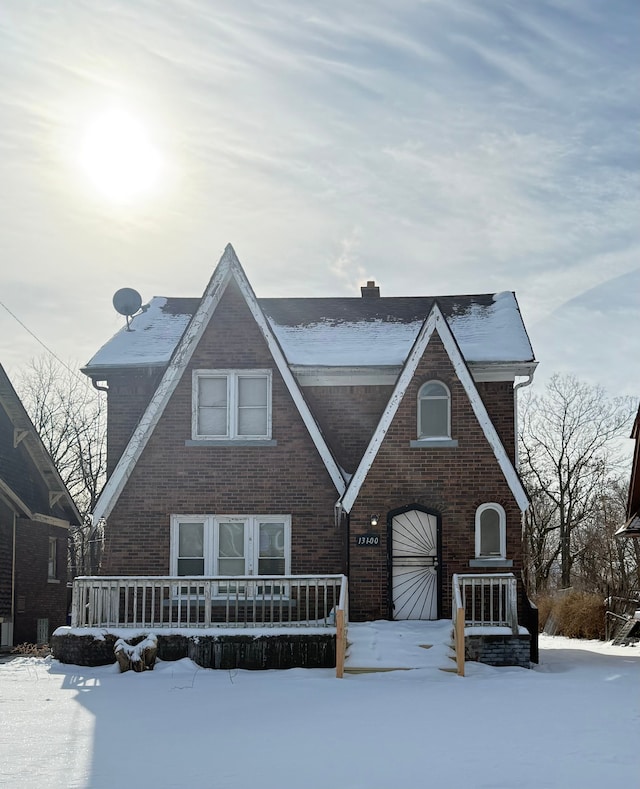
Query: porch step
[[626, 631], [374, 669], [384, 646]]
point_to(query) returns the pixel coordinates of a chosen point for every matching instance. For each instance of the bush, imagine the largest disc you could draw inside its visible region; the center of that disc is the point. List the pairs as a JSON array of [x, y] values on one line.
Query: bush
[[574, 614]]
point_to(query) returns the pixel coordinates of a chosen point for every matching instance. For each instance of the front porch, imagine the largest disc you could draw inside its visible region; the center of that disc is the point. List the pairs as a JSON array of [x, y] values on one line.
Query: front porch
[[259, 622], [251, 622]]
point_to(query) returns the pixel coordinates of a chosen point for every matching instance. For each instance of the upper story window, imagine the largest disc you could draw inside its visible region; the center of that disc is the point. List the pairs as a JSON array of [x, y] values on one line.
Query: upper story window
[[434, 411], [231, 404], [490, 531]]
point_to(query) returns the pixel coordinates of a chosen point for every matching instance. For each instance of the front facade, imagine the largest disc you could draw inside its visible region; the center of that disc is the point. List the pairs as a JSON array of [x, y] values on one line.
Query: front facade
[[631, 527], [36, 513], [373, 437]]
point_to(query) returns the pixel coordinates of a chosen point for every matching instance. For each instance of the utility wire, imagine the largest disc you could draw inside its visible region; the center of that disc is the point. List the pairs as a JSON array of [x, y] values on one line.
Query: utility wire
[[46, 347]]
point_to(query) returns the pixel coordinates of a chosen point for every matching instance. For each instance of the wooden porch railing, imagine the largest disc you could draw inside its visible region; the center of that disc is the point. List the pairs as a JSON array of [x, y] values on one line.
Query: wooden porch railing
[[342, 622], [481, 600], [195, 602], [458, 625]]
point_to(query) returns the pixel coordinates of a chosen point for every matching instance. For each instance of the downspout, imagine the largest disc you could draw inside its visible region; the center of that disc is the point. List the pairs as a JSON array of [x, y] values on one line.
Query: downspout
[[520, 385], [13, 581]]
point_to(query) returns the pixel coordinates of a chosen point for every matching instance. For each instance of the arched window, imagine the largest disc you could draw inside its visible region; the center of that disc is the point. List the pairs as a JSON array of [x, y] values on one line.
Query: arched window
[[434, 411], [491, 538]]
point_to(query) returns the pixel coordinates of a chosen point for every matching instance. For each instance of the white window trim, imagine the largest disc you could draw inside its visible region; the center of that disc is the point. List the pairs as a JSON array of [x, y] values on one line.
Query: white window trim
[[422, 400], [211, 540], [491, 505], [232, 377]]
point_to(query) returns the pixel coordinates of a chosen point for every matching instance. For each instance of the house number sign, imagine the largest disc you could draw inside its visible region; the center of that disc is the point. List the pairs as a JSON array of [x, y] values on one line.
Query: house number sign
[[368, 539]]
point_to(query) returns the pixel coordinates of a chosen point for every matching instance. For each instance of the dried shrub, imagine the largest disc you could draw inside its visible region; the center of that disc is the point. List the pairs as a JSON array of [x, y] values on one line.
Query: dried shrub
[[579, 615]]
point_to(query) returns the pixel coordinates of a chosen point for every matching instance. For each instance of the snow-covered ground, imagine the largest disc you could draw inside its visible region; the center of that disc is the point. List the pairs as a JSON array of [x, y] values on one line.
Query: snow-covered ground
[[573, 722]]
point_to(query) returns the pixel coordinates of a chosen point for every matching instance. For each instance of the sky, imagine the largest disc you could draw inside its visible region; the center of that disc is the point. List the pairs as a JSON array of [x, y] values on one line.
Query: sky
[[570, 722], [437, 147]]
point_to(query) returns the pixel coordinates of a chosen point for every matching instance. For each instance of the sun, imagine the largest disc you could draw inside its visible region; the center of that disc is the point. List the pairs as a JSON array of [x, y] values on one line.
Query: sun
[[118, 156]]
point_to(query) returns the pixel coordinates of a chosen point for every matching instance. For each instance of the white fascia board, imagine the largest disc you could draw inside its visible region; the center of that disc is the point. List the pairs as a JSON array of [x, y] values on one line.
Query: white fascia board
[[228, 267], [49, 519], [309, 376], [436, 321], [13, 500], [290, 382], [192, 335], [501, 371], [387, 375]]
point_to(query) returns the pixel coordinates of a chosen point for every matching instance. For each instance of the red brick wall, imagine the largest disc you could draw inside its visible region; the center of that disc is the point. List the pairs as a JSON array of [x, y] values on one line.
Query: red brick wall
[[128, 396], [36, 597], [348, 416], [451, 481], [289, 478]]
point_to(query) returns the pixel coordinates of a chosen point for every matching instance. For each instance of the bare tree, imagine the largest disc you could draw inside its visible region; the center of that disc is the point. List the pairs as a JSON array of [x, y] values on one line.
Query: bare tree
[[568, 454], [70, 417]]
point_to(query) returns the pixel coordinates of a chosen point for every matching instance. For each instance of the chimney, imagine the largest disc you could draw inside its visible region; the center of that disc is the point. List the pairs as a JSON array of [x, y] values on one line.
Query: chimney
[[371, 290]]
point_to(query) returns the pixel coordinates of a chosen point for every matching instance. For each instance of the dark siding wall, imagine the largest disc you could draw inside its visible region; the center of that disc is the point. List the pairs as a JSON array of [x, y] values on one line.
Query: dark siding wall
[[18, 470], [37, 597], [452, 481], [170, 477], [6, 558]]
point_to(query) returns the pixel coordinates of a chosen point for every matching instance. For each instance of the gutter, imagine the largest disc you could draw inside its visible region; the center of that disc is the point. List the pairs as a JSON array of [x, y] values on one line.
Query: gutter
[[517, 386]]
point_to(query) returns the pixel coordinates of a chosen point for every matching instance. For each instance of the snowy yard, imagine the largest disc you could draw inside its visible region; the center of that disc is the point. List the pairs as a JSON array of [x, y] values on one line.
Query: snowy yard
[[572, 722]]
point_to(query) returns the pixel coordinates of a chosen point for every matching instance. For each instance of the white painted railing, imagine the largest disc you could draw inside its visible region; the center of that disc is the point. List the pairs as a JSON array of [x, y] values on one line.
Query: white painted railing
[[221, 601], [488, 599]]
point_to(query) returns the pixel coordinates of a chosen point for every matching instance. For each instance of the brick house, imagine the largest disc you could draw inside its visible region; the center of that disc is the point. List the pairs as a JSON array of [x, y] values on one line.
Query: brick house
[[370, 436], [36, 512], [631, 527]]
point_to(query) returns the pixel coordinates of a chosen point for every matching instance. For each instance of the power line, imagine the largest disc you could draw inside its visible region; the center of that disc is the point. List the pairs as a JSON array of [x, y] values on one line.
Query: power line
[[46, 347]]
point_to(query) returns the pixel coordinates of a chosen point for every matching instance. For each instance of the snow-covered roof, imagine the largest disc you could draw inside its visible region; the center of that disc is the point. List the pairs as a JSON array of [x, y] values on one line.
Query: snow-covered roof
[[338, 332]]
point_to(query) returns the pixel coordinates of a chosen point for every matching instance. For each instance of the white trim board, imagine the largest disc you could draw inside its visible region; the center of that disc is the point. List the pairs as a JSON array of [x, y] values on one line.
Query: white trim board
[[435, 321], [228, 267]]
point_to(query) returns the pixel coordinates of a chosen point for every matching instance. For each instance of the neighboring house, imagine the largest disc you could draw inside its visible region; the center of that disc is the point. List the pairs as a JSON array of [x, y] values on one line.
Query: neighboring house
[[631, 527], [36, 512], [370, 436]]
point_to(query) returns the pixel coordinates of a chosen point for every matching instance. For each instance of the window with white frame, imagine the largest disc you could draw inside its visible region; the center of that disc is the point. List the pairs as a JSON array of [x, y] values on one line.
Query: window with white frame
[[434, 411], [490, 532], [229, 545], [52, 562], [231, 404]]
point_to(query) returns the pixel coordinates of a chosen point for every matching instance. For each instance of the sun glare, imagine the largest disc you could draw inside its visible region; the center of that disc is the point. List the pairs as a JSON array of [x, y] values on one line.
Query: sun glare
[[119, 158]]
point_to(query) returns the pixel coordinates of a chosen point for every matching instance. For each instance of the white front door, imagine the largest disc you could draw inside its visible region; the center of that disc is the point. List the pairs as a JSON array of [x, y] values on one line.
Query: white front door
[[414, 565]]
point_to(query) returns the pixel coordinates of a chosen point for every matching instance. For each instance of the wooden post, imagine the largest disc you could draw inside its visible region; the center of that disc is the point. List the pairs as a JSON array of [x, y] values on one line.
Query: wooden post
[[460, 641], [341, 643]]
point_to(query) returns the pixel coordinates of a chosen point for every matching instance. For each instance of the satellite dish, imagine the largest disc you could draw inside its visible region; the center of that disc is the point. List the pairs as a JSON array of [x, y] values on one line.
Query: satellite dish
[[127, 302]]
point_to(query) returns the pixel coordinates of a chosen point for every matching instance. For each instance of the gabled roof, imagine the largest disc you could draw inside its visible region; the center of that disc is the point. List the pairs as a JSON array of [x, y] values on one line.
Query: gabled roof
[[228, 268], [16, 475], [340, 332], [435, 322], [631, 528]]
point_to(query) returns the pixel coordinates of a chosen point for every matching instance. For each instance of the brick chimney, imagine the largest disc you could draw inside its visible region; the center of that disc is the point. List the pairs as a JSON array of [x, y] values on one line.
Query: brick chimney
[[370, 290]]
